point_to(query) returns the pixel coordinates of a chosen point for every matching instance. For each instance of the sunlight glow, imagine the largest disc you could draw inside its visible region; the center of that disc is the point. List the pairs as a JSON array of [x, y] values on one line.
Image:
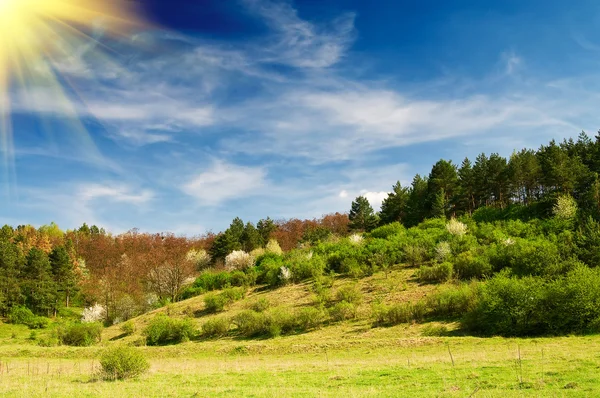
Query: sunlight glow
[[38, 35]]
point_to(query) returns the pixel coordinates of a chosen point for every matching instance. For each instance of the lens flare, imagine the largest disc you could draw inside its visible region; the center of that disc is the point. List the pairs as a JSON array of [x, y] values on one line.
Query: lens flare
[[37, 35]]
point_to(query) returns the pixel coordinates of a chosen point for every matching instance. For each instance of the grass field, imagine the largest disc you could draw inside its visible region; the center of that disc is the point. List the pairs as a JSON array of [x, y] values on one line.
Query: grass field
[[347, 359]]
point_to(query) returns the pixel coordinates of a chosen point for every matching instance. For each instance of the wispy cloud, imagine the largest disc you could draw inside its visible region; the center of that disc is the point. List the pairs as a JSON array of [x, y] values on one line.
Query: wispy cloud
[[223, 181]]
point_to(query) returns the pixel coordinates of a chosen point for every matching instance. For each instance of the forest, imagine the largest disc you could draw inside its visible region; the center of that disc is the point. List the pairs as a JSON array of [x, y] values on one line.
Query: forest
[[513, 242]]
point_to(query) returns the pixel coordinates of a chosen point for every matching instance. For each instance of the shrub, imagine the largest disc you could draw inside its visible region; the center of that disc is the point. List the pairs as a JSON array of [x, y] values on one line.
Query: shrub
[[310, 318], [165, 330], [305, 267], [239, 260], [233, 294], [95, 313], [118, 363], [216, 327], [453, 301], [350, 294], [269, 266], [285, 275], [273, 247], [80, 334], [565, 208], [214, 302], [342, 311], [470, 265], [437, 273], [442, 251], [398, 313], [385, 231], [414, 254], [200, 258], [260, 305], [279, 321], [128, 328], [250, 323], [356, 239], [456, 228], [23, 316]]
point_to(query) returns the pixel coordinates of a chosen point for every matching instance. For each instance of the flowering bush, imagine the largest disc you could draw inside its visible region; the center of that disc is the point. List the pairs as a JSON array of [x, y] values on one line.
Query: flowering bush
[[565, 207], [356, 239], [285, 274], [273, 247], [200, 258], [442, 251], [95, 313], [239, 260], [456, 227]]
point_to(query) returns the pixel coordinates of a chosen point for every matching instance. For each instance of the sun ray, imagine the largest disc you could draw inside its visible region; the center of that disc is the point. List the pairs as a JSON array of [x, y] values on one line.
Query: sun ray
[[37, 35]]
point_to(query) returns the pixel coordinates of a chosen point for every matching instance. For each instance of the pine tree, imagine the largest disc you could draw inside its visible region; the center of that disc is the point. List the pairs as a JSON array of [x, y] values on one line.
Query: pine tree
[[438, 208], [251, 239], [362, 217], [393, 208], [64, 274], [266, 227], [417, 202], [39, 288]]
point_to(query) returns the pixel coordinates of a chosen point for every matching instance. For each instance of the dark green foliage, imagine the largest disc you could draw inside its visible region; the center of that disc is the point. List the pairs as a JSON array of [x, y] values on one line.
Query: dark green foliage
[[164, 330], [63, 274], [315, 234], [23, 316], [216, 327], [80, 334], [442, 185], [472, 264], [394, 207], [435, 273], [265, 228], [362, 217], [251, 238], [119, 363]]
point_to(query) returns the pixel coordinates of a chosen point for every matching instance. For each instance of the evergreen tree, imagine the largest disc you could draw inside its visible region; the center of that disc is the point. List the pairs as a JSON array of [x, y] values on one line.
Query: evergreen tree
[[266, 227], [393, 208], [417, 204], [251, 238], [11, 267], [438, 208], [443, 177], [465, 197], [39, 288], [63, 273], [362, 217]]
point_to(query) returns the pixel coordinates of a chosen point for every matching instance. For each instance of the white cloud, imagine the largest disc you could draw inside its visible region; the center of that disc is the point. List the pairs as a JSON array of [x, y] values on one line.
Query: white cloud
[[375, 198], [225, 181], [113, 192]]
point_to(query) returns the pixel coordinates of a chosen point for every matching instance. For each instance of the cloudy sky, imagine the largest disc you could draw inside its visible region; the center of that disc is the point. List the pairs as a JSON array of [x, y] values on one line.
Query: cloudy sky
[[257, 108]]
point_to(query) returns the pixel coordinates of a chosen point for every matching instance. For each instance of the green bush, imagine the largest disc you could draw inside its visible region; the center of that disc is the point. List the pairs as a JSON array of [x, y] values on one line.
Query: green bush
[[434, 330], [415, 254], [215, 302], [80, 334], [470, 265], [436, 273], [128, 328], [216, 327], [304, 268], [23, 316], [250, 323], [233, 294], [385, 231], [269, 268], [261, 305], [398, 313], [118, 363], [350, 294], [453, 301], [164, 330], [342, 311], [310, 318]]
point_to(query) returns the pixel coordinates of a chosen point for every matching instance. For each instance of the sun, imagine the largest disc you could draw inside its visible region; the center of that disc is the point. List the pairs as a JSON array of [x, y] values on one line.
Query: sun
[[37, 35]]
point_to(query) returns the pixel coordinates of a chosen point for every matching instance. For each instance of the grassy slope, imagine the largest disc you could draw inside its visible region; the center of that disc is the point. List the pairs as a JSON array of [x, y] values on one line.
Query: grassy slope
[[349, 358]]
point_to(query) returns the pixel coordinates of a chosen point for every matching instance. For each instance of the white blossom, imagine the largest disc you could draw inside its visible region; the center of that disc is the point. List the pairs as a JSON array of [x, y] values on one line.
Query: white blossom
[[285, 274], [356, 239], [95, 313], [239, 260], [442, 251], [456, 227]]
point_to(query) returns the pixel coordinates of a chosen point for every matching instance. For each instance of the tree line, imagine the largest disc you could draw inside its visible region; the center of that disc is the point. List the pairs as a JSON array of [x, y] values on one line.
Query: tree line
[[525, 185]]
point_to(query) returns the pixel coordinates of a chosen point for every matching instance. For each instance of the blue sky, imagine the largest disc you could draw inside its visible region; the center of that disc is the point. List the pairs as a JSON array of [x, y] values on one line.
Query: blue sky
[[257, 108]]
